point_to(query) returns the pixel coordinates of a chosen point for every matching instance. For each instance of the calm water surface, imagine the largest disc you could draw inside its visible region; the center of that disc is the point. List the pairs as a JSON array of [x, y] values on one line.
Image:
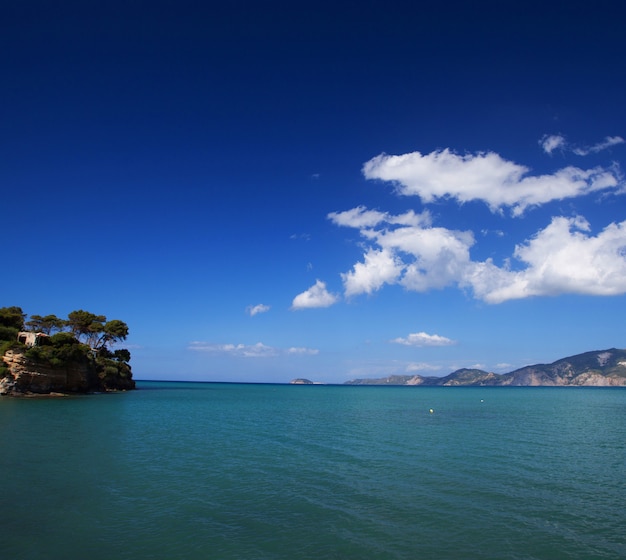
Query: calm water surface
[[220, 471]]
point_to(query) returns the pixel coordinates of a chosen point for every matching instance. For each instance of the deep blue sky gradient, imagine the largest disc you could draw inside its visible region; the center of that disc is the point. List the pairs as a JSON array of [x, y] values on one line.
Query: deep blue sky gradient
[[172, 163]]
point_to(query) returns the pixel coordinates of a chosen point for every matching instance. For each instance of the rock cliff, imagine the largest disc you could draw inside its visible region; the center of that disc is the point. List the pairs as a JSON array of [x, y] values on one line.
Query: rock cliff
[[28, 377]]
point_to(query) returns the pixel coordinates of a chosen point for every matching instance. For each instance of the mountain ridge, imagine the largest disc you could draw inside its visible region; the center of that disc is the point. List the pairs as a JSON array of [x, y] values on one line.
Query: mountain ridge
[[597, 368]]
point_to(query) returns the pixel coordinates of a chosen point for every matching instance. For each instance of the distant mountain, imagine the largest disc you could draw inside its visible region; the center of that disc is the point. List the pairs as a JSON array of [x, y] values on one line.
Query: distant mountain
[[599, 368]]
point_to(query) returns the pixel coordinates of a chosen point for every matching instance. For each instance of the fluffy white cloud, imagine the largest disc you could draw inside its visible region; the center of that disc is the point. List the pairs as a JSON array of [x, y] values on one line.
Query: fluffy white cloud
[[253, 310], [380, 267], [562, 258], [408, 250], [405, 250], [316, 296], [438, 256], [424, 339], [484, 176]]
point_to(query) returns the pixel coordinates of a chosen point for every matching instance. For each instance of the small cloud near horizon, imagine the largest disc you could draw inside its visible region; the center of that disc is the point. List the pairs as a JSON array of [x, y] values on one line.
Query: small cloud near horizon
[[258, 350], [300, 350], [421, 367]]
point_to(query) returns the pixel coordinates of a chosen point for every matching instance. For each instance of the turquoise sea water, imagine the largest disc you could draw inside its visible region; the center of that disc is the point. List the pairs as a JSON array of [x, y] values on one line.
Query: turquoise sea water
[[221, 471]]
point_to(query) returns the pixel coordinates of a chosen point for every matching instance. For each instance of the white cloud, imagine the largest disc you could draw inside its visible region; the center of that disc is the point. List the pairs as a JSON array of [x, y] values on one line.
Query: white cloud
[[406, 251], [483, 176], [316, 296], [424, 339], [361, 217], [253, 310], [562, 258], [421, 366], [380, 267], [300, 350], [437, 255], [552, 142], [549, 143], [258, 350], [608, 142]]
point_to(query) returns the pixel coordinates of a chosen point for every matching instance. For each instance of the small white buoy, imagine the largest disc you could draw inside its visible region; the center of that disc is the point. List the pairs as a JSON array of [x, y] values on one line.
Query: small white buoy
[[431, 411]]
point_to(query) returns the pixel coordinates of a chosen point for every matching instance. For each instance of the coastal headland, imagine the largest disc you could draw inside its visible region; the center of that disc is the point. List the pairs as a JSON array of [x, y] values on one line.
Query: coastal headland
[[49, 356]]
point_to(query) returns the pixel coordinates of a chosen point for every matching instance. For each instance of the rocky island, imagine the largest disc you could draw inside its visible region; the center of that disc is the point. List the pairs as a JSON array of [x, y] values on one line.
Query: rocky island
[[301, 381], [52, 356], [598, 368]]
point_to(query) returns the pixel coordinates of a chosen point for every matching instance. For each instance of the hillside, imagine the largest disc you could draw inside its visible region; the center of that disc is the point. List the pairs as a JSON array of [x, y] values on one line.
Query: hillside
[[598, 368]]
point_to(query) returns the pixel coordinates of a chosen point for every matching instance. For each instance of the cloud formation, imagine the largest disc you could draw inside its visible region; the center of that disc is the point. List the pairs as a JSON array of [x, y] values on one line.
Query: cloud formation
[[486, 177], [258, 350], [423, 339], [316, 296], [561, 258], [552, 142], [410, 253], [253, 310]]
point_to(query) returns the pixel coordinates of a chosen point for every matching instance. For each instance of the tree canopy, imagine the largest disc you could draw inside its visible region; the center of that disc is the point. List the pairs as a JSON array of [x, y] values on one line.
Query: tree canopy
[[12, 317], [88, 328], [45, 324]]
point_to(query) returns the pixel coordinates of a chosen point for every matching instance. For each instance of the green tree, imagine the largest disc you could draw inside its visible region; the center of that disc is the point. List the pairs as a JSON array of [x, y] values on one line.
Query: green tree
[[45, 324], [11, 322], [122, 355], [112, 332], [12, 317], [86, 325]]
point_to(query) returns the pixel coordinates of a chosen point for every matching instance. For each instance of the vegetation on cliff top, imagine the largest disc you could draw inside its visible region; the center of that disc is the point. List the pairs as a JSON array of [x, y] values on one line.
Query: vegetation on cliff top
[[82, 338]]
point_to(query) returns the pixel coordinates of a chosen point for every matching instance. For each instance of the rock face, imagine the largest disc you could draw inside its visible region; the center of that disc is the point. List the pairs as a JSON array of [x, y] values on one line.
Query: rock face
[[603, 368], [26, 377]]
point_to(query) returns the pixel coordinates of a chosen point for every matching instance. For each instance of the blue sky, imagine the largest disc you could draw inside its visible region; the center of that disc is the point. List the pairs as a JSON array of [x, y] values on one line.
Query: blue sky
[[271, 190]]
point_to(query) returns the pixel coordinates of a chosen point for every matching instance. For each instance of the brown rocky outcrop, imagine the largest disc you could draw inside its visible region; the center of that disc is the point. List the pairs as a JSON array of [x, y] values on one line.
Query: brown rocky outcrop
[[27, 377]]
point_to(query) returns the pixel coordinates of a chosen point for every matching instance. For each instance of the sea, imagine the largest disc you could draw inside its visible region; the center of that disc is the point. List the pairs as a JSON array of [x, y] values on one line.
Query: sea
[[259, 471]]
